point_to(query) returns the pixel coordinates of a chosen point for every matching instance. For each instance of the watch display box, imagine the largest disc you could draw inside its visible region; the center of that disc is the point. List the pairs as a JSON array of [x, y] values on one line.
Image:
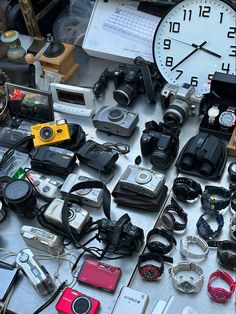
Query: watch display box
[[221, 107], [231, 147]]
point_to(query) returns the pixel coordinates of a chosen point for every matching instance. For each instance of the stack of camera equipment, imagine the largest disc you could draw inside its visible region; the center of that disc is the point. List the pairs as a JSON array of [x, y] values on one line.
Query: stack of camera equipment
[[160, 142], [140, 188]]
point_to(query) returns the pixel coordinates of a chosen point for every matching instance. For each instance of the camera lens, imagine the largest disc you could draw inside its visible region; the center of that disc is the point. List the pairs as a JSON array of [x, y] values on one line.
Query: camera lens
[[3, 182], [81, 305], [143, 177], [115, 114], [125, 93], [206, 169], [46, 133], [176, 112], [187, 163], [20, 197]]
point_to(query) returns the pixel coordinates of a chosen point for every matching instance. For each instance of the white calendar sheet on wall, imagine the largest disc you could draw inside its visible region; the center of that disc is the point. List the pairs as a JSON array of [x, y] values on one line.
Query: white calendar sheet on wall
[[118, 31]]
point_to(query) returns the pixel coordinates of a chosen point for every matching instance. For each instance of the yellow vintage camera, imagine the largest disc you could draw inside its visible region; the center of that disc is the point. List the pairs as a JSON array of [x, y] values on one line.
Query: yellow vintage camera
[[50, 133]]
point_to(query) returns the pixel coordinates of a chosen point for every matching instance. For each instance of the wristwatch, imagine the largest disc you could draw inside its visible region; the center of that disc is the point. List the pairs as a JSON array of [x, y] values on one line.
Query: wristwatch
[[215, 198], [186, 189], [232, 171], [187, 284], [157, 246], [221, 295], [152, 272], [232, 227], [193, 240], [169, 220], [227, 119], [203, 227], [213, 112], [226, 252]]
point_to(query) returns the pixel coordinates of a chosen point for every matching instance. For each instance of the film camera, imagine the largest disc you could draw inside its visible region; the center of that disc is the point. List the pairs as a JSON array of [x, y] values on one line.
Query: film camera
[[180, 101], [120, 235], [130, 81], [50, 133], [161, 143], [115, 120]]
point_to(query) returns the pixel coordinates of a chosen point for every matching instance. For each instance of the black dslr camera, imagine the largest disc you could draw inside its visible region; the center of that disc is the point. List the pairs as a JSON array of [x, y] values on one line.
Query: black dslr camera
[[130, 81], [161, 143], [120, 236]]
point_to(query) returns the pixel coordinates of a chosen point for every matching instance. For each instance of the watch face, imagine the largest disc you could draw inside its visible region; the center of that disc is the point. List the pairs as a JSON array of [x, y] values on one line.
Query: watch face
[[186, 287], [149, 272], [186, 48], [227, 119], [167, 221], [213, 112]]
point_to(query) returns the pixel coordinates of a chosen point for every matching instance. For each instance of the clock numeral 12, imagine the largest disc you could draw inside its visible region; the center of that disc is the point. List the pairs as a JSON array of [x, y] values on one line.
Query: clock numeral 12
[[194, 81], [174, 27], [204, 11], [225, 68]]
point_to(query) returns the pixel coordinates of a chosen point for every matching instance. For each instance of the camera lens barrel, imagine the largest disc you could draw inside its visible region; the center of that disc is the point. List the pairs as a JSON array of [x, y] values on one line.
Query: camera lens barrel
[[125, 93], [46, 133], [19, 196], [176, 112]]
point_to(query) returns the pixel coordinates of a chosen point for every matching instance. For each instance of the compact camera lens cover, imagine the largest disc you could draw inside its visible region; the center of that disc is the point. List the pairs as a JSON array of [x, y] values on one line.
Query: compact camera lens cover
[[81, 305], [115, 114], [46, 133]]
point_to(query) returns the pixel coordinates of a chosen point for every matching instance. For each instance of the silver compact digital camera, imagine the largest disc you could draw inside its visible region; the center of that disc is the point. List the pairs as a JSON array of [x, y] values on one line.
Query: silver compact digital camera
[[45, 185], [91, 197], [115, 120], [42, 240], [180, 101], [36, 273], [78, 217], [143, 181]]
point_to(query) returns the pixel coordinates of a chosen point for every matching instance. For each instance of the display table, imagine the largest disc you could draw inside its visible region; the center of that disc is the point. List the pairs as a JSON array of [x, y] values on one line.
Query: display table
[[26, 300]]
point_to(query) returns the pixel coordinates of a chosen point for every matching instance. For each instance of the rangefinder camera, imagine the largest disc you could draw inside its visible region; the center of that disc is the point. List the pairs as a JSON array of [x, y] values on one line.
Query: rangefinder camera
[[115, 120], [41, 239], [45, 185], [50, 133], [78, 217], [36, 273], [143, 181], [91, 197]]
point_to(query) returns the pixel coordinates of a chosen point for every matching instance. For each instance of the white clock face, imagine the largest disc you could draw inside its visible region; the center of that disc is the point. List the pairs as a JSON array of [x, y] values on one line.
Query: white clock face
[[195, 39]]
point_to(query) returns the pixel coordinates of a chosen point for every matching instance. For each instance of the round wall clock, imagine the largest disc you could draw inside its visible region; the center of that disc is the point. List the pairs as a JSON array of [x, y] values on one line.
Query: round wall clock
[[193, 40]]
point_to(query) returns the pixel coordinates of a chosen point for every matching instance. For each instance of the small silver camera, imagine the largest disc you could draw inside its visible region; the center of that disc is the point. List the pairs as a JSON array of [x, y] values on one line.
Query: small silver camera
[[36, 273], [143, 181], [78, 217], [91, 197], [45, 185], [180, 101], [41, 239], [115, 120]]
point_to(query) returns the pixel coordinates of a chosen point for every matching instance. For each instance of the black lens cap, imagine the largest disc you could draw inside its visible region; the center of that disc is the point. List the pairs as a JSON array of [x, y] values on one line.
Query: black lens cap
[[16, 190]]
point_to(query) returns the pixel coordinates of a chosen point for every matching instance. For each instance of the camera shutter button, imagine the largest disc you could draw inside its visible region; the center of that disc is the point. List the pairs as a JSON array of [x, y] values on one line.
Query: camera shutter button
[[113, 269]]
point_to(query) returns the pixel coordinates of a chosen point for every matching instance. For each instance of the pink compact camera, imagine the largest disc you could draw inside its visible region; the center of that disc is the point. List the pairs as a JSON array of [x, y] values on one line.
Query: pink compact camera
[[75, 302]]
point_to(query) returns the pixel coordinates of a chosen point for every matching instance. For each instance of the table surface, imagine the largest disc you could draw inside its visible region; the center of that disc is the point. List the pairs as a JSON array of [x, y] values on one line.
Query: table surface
[[26, 300]]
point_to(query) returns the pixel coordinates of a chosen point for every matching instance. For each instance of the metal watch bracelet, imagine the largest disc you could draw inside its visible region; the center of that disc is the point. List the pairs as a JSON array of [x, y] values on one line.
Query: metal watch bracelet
[[183, 283], [193, 240]]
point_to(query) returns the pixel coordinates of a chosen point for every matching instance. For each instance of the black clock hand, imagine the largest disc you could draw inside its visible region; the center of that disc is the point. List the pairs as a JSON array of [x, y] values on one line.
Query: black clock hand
[[208, 51], [195, 46], [189, 55]]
